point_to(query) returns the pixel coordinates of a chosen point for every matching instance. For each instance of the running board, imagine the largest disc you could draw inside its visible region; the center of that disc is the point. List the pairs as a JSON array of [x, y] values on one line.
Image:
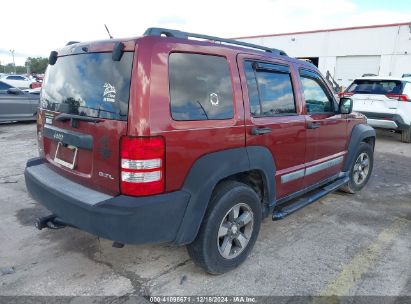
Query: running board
[[305, 201]]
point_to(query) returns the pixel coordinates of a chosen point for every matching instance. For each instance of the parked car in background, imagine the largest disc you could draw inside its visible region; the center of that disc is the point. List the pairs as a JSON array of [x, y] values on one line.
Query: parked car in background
[[17, 81], [33, 91], [386, 101], [17, 105], [35, 84]]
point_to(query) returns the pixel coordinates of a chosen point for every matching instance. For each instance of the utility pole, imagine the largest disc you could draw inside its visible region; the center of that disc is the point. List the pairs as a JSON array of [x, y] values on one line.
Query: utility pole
[[14, 64], [28, 67]]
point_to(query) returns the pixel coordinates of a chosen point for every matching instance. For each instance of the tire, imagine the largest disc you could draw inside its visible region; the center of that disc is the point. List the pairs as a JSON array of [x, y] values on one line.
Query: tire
[[207, 250], [406, 135], [361, 169]]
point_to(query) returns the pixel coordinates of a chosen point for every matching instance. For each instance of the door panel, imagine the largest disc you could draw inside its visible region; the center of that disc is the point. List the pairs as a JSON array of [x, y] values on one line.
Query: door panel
[[287, 145], [326, 130], [16, 106], [272, 117]]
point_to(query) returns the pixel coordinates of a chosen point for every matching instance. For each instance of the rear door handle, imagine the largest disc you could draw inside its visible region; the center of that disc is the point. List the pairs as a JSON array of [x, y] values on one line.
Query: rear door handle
[[313, 125], [260, 131]]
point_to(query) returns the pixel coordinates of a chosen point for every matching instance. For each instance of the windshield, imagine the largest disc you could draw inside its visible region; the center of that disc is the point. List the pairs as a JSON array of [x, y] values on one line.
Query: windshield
[[365, 86], [89, 85]]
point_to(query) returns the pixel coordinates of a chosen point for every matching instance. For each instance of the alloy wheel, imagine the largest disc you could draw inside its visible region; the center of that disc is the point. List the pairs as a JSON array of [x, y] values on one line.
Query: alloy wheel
[[235, 231]]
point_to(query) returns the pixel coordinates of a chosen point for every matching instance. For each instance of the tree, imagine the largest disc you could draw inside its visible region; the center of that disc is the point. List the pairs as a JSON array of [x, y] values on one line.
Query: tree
[[37, 65], [9, 69]]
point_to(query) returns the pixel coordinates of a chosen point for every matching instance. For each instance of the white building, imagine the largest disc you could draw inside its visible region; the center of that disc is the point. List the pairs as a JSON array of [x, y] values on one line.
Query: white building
[[347, 53]]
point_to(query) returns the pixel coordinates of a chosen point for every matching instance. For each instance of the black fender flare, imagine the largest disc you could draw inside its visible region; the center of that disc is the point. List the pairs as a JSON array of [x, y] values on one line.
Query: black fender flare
[[210, 169], [358, 134]]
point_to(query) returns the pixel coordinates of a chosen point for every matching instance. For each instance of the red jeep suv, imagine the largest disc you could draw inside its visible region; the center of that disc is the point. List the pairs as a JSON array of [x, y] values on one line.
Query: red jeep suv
[[163, 138]]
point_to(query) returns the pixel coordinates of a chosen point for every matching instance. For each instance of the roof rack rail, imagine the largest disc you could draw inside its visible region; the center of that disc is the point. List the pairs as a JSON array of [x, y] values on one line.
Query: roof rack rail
[[72, 42], [156, 31]]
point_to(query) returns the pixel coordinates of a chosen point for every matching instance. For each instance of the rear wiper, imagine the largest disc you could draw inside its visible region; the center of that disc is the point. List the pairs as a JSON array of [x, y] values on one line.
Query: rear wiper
[[202, 108], [75, 118]]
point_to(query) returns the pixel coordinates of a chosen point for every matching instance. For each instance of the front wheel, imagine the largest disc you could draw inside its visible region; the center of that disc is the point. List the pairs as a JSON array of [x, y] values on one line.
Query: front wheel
[[361, 169], [229, 229]]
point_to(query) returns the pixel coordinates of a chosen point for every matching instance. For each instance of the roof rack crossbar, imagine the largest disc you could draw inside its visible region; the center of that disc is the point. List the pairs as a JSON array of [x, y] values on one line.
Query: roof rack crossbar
[[156, 31]]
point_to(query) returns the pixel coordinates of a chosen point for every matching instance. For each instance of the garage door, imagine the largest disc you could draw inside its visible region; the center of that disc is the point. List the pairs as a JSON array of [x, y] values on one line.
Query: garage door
[[350, 67]]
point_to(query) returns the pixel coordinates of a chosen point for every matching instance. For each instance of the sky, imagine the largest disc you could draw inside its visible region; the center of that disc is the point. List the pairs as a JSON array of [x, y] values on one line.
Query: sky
[[34, 28]]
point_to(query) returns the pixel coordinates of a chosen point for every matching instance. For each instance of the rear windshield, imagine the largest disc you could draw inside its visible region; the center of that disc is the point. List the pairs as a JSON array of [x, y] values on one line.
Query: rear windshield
[[89, 85], [363, 86]]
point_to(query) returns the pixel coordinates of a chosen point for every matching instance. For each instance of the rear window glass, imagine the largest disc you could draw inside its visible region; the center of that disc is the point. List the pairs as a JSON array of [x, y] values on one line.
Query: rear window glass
[[89, 85], [363, 86], [200, 87]]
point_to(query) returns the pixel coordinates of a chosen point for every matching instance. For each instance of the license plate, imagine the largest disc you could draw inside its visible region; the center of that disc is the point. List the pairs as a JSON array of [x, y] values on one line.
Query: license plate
[[62, 162]]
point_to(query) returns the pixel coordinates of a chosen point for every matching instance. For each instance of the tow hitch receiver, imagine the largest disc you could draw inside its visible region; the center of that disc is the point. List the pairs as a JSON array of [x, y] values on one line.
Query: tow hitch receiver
[[51, 221]]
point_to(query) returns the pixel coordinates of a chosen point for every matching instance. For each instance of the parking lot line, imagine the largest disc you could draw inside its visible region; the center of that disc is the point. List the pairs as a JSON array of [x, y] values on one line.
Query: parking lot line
[[353, 271]]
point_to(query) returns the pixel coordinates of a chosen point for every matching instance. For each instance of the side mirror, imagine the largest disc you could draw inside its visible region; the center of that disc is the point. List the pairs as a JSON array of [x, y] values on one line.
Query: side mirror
[[345, 105], [14, 91]]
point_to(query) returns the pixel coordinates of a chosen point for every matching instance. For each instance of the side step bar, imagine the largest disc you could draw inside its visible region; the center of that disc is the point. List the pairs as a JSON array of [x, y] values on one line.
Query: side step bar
[[279, 214]]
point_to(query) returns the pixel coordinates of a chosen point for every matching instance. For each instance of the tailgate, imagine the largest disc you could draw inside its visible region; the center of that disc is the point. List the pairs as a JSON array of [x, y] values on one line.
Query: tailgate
[[89, 154], [373, 95], [375, 103]]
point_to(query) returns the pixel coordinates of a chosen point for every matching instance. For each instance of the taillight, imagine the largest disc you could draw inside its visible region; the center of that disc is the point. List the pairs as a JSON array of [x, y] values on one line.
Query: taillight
[[40, 142], [142, 165], [400, 97], [345, 94]]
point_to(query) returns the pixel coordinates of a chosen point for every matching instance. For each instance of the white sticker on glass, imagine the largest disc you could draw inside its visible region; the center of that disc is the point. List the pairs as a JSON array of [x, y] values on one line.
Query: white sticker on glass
[[214, 99], [109, 94]]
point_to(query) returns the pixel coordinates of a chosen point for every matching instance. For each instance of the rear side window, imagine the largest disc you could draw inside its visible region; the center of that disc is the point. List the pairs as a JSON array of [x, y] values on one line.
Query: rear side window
[[200, 87], [270, 89], [16, 78], [364, 86]]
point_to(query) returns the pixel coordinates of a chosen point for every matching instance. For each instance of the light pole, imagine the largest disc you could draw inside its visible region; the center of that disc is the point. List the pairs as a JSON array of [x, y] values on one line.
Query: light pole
[[28, 66], [14, 64]]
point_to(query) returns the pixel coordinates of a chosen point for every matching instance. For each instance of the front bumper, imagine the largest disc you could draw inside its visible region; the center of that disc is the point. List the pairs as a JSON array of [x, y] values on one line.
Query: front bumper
[[124, 219]]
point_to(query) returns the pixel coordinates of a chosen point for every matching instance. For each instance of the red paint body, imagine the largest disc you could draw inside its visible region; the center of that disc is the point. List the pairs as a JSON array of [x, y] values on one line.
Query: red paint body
[[291, 143]]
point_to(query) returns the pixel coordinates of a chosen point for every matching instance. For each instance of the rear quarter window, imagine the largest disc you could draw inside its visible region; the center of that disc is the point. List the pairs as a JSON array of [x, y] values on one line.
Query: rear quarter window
[[200, 87]]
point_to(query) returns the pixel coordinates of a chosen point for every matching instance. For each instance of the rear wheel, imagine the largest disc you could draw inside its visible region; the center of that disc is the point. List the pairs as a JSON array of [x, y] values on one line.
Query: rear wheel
[[361, 169], [406, 135], [229, 229]]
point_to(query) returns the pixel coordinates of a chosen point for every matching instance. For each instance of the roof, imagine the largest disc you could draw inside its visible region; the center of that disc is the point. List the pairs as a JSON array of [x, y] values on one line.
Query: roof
[[326, 30]]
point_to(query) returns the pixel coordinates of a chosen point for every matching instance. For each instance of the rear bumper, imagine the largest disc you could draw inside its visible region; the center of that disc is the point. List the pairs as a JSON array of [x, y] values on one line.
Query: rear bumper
[[125, 219], [380, 123], [385, 121]]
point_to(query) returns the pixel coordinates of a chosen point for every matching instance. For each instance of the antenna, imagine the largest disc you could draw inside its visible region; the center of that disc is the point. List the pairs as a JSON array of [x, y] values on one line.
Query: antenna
[[108, 32]]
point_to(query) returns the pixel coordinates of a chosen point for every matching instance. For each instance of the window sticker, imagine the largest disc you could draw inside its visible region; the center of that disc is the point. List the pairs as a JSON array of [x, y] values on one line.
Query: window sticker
[[109, 94], [214, 99]]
